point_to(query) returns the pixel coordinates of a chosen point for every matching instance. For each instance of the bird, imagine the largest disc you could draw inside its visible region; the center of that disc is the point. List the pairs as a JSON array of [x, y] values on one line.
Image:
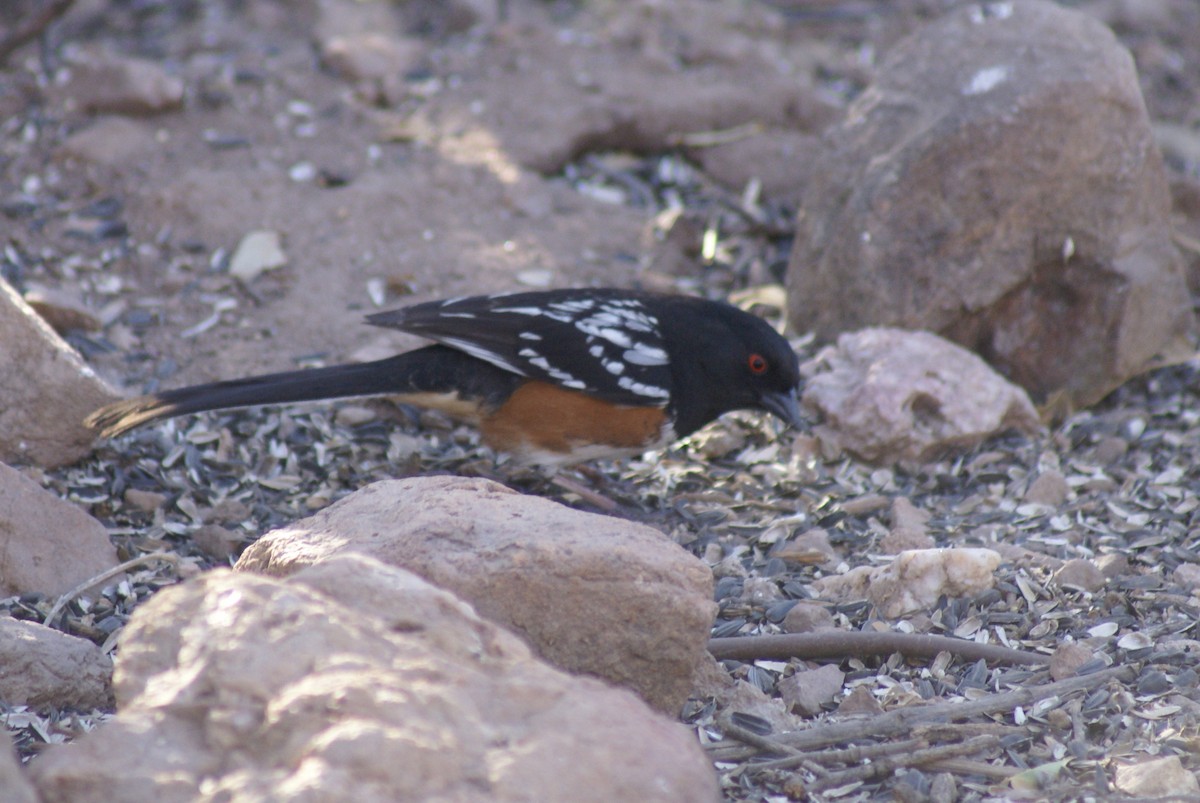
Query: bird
[[550, 377]]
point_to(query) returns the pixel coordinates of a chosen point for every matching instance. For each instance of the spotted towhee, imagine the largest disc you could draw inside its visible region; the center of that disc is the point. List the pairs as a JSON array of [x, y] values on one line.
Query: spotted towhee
[[552, 377]]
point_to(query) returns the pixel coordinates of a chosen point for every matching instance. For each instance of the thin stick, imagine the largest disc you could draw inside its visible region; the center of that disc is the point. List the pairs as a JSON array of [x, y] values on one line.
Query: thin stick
[[905, 720], [593, 498], [768, 745], [851, 643], [885, 766], [107, 574], [850, 755]]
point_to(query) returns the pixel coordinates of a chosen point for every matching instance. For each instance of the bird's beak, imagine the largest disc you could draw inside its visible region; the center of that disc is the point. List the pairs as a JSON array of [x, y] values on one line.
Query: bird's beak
[[785, 405]]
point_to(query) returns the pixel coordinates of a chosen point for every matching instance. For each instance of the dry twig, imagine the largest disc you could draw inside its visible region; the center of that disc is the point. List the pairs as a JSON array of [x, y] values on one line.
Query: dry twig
[[855, 644], [904, 720], [107, 574]]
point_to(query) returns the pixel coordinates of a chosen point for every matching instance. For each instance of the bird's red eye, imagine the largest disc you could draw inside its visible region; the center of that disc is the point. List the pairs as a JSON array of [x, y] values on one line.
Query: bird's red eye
[[758, 363]]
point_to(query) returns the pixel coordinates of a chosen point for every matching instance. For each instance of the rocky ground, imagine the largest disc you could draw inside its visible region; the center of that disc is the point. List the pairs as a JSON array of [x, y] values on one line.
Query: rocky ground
[[477, 148]]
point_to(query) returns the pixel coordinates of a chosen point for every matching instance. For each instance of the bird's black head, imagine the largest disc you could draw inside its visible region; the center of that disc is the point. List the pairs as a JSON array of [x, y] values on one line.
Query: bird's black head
[[736, 361]]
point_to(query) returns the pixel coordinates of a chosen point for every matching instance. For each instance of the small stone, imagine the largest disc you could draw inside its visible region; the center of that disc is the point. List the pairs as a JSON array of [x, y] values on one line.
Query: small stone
[[860, 701], [908, 529], [1113, 564], [864, 505], [302, 172], [111, 142], [145, 501], [943, 789], [1068, 658], [1156, 778], [1080, 573], [43, 667], [915, 580], [217, 542], [257, 252], [1050, 488], [894, 395], [1110, 449], [806, 691], [46, 390], [353, 415], [228, 511], [810, 547], [48, 545], [1187, 575], [63, 310], [806, 617], [106, 83], [377, 63]]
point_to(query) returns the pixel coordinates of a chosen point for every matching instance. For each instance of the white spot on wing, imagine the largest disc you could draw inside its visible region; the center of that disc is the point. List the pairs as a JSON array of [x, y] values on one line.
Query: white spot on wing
[[641, 354], [642, 389], [529, 336], [562, 377], [521, 310], [481, 353]]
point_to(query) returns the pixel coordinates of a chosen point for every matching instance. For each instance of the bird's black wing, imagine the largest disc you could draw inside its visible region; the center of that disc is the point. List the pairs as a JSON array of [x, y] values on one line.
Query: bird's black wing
[[607, 343]]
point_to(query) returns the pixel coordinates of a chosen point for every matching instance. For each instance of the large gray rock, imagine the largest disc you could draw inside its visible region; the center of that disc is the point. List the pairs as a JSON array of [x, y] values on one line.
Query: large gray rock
[[357, 681], [999, 184], [590, 593]]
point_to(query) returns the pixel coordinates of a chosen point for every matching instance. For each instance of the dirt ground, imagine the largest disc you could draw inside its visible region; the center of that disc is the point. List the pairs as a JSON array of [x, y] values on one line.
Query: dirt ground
[[521, 149]]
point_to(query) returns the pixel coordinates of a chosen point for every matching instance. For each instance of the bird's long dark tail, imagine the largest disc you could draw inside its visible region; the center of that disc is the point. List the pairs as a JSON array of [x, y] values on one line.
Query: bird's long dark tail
[[427, 373]]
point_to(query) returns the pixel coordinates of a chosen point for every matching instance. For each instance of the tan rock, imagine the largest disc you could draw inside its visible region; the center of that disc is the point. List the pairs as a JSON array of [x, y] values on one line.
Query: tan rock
[[809, 547], [1080, 573], [908, 529], [63, 309], [914, 580], [13, 783], [357, 681], [40, 667], [807, 617], [46, 545], [45, 390], [1157, 778], [1017, 206], [377, 63], [591, 593], [893, 395], [111, 142], [1049, 488], [1067, 658], [735, 696], [808, 690], [859, 702]]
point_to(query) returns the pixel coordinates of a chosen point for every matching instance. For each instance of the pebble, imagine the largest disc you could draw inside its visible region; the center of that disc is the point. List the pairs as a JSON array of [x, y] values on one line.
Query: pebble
[[146, 501], [258, 251], [1080, 573], [806, 617], [1050, 488]]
